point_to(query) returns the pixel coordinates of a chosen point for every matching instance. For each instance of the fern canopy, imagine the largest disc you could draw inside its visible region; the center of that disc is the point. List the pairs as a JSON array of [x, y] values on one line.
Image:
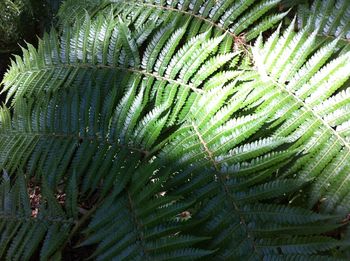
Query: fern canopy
[[171, 137]]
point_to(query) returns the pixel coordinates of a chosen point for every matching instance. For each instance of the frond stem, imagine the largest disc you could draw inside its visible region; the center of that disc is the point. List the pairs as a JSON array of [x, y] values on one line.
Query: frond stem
[[308, 108], [205, 146], [72, 136], [34, 219], [138, 225], [332, 37], [218, 26], [222, 181], [112, 67]]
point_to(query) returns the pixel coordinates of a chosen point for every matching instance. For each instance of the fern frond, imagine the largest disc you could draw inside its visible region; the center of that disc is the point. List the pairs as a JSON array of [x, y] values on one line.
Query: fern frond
[[307, 88]]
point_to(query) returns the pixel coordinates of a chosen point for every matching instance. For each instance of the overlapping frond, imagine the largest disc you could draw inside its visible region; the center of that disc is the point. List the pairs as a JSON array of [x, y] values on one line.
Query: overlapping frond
[[143, 222], [104, 97], [210, 183], [230, 178]]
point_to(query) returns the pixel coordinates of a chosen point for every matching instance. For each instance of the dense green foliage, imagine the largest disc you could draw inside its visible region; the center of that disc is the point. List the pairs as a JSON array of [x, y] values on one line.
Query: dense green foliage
[[179, 130]]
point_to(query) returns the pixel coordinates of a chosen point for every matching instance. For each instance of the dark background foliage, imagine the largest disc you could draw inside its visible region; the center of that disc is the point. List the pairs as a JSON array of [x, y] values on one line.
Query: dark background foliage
[[23, 21]]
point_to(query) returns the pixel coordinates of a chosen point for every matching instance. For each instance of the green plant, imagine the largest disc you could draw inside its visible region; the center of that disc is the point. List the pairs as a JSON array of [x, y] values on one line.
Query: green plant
[[170, 137]]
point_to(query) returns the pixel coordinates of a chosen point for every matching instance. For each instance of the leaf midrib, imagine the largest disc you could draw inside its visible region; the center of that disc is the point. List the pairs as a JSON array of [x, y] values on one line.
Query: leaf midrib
[[309, 109], [78, 137], [199, 17], [226, 189], [112, 67]]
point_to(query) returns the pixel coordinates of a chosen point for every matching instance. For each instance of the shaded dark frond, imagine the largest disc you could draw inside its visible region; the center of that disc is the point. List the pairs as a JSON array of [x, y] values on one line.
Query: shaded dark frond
[[22, 232], [330, 18]]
